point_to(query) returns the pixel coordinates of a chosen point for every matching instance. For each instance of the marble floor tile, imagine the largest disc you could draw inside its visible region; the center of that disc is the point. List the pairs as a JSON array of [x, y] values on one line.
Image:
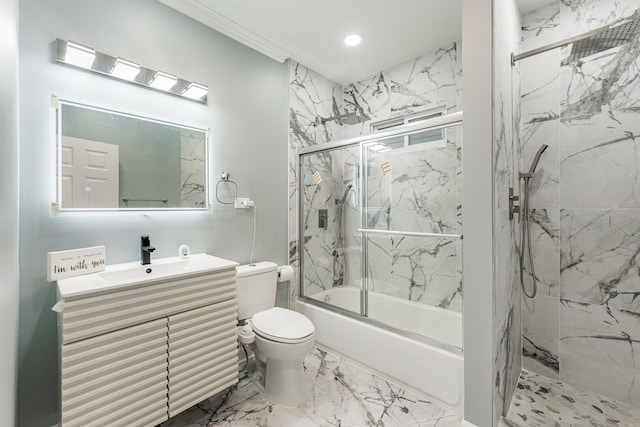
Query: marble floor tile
[[544, 402], [342, 395]]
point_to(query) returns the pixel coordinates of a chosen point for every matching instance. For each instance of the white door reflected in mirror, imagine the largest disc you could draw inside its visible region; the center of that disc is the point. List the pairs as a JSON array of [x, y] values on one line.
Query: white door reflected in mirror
[[118, 161], [89, 177]]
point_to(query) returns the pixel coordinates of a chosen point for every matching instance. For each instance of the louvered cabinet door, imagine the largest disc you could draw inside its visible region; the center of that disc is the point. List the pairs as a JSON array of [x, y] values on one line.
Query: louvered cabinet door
[[116, 379], [203, 356]]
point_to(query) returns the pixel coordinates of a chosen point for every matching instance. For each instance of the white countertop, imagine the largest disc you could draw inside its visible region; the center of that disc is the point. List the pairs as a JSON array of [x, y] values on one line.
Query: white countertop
[[134, 274]]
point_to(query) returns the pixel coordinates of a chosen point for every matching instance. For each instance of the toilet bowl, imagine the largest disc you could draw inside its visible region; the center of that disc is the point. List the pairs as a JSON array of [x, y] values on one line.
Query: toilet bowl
[[280, 338]]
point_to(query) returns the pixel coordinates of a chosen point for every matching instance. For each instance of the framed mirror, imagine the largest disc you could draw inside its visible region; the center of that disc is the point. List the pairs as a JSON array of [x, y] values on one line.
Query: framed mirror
[[109, 160]]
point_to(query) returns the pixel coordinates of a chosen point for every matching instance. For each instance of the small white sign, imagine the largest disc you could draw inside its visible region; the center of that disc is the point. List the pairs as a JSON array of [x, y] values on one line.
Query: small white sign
[[75, 262]]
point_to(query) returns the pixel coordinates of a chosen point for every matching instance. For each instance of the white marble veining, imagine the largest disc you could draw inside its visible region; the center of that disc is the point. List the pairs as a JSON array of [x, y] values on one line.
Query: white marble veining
[[545, 245], [544, 402], [507, 337], [600, 252], [342, 394], [540, 339], [431, 80], [423, 192], [580, 16], [192, 169], [600, 350], [586, 200], [541, 22]]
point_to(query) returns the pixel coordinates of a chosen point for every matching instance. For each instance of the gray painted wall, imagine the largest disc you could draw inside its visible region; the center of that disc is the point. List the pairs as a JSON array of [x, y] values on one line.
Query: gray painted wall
[[477, 253], [8, 208], [247, 112], [149, 165]]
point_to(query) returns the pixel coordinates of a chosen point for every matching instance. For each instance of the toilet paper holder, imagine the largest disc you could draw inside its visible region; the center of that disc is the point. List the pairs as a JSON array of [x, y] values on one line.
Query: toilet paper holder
[[285, 273]]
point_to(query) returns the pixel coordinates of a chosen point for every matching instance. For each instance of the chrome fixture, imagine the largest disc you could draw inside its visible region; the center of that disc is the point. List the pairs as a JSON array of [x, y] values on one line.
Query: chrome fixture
[[525, 223], [513, 208], [592, 42], [344, 195], [128, 199], [340, 271], [145, 249], [323, 218], [87, 58], [351, 118]]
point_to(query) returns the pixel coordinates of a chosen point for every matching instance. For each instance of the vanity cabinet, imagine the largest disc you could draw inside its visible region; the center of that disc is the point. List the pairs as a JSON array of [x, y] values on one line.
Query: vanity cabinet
[[138, 355]]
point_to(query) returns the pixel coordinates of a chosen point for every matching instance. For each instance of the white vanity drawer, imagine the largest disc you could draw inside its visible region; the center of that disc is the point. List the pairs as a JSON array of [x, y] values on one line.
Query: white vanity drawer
[[85, 317]]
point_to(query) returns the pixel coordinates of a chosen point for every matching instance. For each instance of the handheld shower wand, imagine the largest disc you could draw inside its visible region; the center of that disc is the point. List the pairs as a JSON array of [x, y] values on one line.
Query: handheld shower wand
[[346, 193], [525, 229]]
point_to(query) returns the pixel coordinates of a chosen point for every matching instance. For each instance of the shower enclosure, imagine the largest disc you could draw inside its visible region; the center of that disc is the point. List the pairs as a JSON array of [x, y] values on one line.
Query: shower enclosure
[[575, 81], [380, 229]]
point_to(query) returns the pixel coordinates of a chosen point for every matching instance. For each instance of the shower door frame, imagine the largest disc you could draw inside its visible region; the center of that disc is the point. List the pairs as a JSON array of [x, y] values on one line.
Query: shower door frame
[[440, 122]]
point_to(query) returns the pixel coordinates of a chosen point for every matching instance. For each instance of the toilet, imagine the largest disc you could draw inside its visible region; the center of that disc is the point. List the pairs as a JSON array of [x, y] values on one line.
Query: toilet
[[280, 338]]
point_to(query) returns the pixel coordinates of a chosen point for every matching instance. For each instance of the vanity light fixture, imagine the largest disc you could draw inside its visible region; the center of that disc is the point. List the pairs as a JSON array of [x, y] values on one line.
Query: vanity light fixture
[[88, 59], [195, 91], [79, 55], [125, 70], [163, 81]]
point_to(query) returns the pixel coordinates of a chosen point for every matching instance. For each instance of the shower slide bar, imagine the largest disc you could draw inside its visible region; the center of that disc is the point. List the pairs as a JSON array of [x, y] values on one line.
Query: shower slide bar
[[434, 123], [569, 40], [409, 233]]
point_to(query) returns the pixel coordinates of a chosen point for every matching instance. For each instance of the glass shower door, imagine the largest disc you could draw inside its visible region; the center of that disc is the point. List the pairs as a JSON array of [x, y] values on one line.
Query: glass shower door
[[411, 240], [380, 229], [329, 220]]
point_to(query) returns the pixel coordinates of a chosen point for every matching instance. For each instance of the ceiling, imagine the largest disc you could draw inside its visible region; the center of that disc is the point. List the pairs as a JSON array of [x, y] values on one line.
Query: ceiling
[[312, 32]]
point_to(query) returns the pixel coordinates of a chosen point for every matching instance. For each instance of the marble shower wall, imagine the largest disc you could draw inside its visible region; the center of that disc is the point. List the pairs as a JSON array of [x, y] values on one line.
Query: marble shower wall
[[582, 327], [311, 96], [507, 319], [430, 81]]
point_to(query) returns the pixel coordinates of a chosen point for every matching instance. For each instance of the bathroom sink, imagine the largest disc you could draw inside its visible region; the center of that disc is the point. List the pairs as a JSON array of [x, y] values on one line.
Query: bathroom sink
[[133, 273]]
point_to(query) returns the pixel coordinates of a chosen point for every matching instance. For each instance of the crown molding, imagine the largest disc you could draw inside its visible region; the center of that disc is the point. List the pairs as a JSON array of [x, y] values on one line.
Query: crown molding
[[226, 26]]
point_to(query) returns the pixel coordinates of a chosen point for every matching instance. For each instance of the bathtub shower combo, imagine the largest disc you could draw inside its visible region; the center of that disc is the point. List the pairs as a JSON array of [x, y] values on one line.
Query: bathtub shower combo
[[380, 265]]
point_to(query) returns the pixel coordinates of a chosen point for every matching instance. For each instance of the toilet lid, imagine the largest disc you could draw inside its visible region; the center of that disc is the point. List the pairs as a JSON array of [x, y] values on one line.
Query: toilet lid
[[280, 324]]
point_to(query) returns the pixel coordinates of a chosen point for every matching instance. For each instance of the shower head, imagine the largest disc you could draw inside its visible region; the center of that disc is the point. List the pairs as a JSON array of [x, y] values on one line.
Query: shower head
[[536, 158], [351, 118], [605, 38]]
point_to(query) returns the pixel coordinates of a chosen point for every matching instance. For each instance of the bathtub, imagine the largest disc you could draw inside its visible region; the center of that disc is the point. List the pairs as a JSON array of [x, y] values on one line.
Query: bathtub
[[413, 364]]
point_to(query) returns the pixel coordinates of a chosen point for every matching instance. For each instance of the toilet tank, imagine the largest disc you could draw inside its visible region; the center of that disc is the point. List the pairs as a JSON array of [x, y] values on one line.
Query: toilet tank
[[257, 284]]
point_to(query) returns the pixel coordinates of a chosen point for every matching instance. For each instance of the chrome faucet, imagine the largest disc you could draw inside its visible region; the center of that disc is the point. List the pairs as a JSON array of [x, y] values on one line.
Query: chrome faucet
[[146, 249]]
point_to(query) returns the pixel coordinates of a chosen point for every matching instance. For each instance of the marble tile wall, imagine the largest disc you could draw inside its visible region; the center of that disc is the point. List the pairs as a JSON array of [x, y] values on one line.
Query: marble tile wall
[[192, 169], [311, 96], [423, 201], [582, 326], [507, 361]]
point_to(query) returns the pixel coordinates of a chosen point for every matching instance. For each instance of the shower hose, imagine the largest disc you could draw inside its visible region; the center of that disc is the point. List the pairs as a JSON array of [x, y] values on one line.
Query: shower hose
[[525, 237]]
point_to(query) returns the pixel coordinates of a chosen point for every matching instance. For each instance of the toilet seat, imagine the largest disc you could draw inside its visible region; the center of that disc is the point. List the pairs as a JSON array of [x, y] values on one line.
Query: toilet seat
[[282, 325]]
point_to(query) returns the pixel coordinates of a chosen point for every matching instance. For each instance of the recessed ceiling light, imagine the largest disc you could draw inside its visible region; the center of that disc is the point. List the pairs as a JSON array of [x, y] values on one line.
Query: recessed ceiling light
[[352, 40]]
